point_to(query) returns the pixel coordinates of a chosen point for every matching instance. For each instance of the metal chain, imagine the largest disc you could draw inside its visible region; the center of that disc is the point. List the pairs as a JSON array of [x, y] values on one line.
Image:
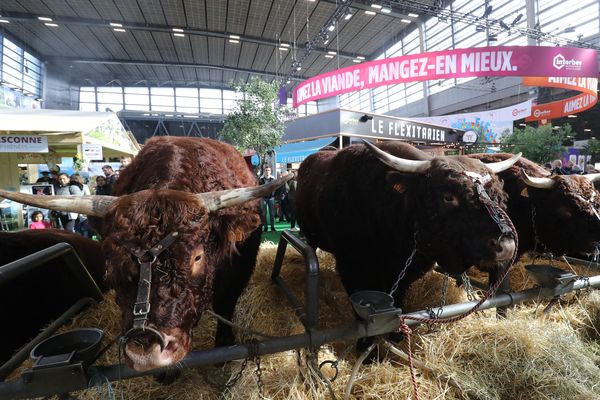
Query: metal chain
[[444, 293], [258, 372], [468, 286], [535, 234], [408, 262], [596, 255], [234, 379]]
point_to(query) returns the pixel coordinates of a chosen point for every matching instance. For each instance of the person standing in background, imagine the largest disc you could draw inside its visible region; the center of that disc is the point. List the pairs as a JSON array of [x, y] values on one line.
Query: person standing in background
[[267, 203], [101, 188], [37, 221], [111, 177], [68, 188], [292, 184]]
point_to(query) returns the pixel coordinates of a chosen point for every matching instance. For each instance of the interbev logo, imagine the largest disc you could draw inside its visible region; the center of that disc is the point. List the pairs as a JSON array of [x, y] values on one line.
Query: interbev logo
[[559, 62]]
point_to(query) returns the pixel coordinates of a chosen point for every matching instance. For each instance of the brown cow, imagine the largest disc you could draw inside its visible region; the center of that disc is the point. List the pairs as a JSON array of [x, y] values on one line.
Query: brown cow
[[182, 232], [561, 210], [368, 213]]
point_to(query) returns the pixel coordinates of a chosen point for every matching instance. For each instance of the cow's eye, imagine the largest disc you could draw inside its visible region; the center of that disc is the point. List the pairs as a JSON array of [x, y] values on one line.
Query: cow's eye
[[198, 258], [450, 198]]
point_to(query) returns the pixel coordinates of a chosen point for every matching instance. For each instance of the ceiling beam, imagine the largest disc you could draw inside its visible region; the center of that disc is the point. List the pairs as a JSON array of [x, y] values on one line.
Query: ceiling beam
[[109, 61], [98, 23]]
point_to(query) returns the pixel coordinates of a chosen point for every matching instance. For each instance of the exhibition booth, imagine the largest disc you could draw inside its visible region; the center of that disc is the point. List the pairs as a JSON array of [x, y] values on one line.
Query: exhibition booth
[[30, 138]]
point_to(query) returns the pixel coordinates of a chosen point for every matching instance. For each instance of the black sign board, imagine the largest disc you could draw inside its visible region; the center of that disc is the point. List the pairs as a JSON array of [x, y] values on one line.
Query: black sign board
[[385, 127]]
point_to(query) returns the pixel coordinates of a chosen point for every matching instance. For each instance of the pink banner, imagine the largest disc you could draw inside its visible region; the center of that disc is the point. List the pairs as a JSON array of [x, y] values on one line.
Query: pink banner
[[461, 63]]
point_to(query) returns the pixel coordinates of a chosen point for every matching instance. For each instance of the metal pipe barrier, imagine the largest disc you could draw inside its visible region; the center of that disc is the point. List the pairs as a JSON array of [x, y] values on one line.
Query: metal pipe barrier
[[375, 324], [32, 261], [309, 314]]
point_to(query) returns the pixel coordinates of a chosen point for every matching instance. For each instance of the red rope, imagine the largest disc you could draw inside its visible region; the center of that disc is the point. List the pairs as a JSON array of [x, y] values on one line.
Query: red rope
[[404, 328]]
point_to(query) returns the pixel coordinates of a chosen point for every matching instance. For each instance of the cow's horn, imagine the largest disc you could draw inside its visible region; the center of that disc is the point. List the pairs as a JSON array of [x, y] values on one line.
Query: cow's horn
[[95, 206], [497, 167], [214, 201], [400, 164], [540, 183], [592, 177]]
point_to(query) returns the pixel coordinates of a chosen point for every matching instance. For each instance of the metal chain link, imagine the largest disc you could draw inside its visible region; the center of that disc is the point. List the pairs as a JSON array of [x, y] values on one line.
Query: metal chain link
[[258, 373], [406, 265], [444, 294], [468, 287], [234, 379]]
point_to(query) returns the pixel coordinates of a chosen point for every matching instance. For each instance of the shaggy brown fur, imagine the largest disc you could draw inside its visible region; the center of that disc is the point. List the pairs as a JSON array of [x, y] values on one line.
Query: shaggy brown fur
[[352, 205], [214, 255], [564, 219]]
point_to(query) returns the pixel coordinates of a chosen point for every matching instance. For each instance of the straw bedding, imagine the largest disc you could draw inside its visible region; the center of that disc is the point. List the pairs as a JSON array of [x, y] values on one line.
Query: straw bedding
[[530, 355]]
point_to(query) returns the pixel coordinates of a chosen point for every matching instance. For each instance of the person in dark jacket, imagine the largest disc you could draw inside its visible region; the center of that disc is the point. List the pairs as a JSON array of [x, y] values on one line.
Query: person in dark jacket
[[268, 203]]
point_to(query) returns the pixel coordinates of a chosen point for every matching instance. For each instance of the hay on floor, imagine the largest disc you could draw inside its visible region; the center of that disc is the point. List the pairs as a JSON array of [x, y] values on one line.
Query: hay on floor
[[527, 356]]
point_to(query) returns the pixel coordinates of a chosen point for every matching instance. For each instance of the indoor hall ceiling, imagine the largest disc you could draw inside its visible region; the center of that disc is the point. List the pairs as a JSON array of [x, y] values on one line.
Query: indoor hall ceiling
[[148, 51]]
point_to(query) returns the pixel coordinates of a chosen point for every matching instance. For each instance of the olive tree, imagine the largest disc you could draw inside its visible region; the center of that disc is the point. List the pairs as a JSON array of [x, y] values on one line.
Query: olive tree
[[257, 120], [540, 145]]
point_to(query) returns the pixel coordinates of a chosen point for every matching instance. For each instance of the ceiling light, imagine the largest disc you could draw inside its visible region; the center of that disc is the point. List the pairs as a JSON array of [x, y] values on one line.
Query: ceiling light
[[45, 19], [298, 68], [51, 24], [178, 30], [284, 45], [413, 15], [406, 21], [328, 56], [283, 48], [119, 30], [326, 41], [233, 41], [587, 130], [556, 127], [386, 9], [348, 16], [116, 24], [4, 21], [331, 27], [179, 34], [369, 12], [360, 57], [333, 53], [522, 125], [571, 116], [356, 61], [377, 6], [236, 37]]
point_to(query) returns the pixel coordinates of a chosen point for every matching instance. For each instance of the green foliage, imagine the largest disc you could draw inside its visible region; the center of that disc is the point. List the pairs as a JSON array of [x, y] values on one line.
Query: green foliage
[[540, 145], [257, 121], [592, 148]]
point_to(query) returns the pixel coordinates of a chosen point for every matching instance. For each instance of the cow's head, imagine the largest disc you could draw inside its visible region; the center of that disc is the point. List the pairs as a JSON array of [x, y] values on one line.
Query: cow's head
[[567, 211], [452, 223], [206, 226]]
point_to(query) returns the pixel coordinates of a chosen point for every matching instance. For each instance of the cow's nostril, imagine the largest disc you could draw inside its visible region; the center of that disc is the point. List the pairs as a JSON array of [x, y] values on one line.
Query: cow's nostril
[[172, 346], [494, 245]]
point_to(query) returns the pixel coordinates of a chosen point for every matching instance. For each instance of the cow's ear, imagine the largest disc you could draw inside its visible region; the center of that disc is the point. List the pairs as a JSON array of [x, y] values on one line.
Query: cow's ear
[[396, 180], [525, 192]]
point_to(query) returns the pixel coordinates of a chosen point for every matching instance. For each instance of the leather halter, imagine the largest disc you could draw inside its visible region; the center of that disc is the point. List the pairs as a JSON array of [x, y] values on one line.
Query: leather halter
[[492, 208], [141, 308]]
